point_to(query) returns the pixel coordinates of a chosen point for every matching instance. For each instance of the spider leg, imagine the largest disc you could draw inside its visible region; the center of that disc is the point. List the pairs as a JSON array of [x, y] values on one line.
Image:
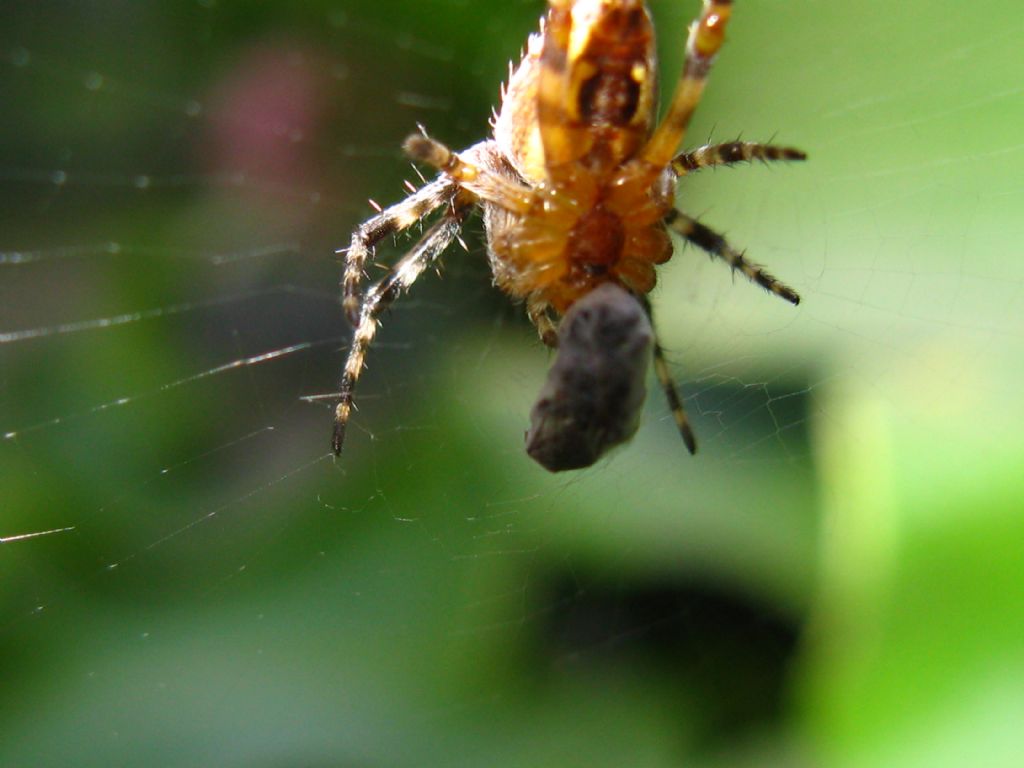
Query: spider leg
[[705, 38], [380, 297], [732, 152], [668, 386], [716, 245], [561, 143], [539, 312], [389, 221], [492, 187]]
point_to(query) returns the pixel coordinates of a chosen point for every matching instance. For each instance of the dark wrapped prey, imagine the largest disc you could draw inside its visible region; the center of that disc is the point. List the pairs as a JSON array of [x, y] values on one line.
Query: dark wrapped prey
[[594, 392]]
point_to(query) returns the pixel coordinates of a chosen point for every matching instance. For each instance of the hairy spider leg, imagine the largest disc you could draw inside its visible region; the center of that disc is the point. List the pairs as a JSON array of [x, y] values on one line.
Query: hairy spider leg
[[539, 312], [560, 143], [668, 386], [380, 297], [730, 153], [703, 43], [716, 245], [482, 182], [392, 220]]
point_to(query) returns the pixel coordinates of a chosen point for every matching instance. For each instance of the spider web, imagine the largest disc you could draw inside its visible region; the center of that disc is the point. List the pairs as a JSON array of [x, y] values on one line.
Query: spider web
[[186, 574]]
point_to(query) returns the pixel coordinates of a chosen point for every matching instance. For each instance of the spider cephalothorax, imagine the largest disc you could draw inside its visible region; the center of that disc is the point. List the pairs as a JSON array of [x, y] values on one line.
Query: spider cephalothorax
[[577, 187]]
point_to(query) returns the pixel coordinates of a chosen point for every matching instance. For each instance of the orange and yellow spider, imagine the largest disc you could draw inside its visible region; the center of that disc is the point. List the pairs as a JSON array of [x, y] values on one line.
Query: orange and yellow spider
[[577, 189]]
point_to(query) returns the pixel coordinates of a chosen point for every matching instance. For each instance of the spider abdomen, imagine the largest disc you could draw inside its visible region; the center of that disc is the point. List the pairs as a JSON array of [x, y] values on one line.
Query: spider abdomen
[[594, 393]]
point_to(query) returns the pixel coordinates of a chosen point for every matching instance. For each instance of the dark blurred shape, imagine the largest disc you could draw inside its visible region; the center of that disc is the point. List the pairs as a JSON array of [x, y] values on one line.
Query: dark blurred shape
[[594, 392], [727, 654]]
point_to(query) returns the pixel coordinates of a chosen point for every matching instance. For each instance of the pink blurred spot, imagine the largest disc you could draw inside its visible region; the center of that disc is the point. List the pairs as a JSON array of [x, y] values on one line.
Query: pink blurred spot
[[266, 112]]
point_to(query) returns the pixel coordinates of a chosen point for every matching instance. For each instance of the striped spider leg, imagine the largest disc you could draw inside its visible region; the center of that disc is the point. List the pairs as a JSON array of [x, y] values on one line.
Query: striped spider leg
[[463, 184], [705, 238], [380, 297], [395, 219]]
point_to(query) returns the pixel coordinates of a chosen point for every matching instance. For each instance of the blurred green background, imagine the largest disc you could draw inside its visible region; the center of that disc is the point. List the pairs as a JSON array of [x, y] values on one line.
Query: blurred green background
[[835, 580]]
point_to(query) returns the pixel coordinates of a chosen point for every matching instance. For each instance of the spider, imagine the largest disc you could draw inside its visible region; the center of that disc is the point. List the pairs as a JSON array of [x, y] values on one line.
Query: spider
[[576, 187]]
